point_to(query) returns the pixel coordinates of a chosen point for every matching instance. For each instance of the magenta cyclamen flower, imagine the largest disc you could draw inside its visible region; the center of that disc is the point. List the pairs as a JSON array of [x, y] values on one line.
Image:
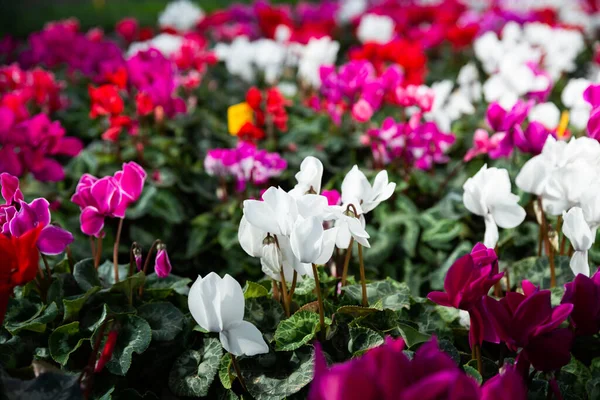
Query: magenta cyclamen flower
[[584, 294], [529, 322], [18, 217], [506, 122], [31, 144], [385, 373], [468, 281], [162, 264], [245, 163], [107, 197]]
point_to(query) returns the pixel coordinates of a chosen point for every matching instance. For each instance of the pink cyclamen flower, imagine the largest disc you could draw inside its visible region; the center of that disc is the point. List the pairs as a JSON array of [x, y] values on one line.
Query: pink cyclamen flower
[[18, 217], [483, 144], [506, 385], [506, 122], [333, 197], [107, 197], [162, 265], [529, 322], [362, 111], [468, 281]]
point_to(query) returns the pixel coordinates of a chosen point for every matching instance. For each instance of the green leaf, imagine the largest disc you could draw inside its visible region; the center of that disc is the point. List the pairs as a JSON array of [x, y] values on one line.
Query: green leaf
[[166, 320], [47, 386], [170, 283], [128, 285], [254, 290], [537, 270], [106, 273], [194, 371], [297, 330], [29, 316], [264, 312], [411, 335], [73, 305], [64, 341], [167, 206], [357, 311], [142, 206], [224, 371], [490, 369], [393, 295], [305, 287], [363, 339], [442, 233], [279, 383], [86, 275], [134, 336], [473, 373]]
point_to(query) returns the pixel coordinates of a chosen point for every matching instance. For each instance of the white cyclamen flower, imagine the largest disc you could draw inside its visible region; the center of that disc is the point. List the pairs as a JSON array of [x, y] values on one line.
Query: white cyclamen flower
[[375, 28], [310, 242], [317, 52], [217, 305], [166, 43], [572, 98], [276, 214], [580, 235], [181, 15], [546, 114], [357, 190], [488, 194], [309, 177]]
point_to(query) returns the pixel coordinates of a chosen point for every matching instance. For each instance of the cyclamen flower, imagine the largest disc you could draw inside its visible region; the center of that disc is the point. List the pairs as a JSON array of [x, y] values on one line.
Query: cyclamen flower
[[107, 197], [468, 280], [245, 163], [162, 265], [181, 16], [106, 101], [385, 373], [584, 294], [529, 322], [31, 146], [375, 28], [18, 217], [488, 194], [580, 235], [508, 123], [217, 305]]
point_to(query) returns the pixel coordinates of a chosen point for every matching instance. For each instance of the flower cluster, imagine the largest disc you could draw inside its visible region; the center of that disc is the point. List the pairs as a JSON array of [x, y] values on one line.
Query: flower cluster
[[269, 112], [355, 86], [387, 373], [29, 140], [109, 196], [415, 144], [245, 163]]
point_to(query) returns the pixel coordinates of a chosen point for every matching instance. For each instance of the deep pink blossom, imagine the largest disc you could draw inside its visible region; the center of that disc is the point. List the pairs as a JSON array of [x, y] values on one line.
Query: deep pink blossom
[[483, 143], [468, 281], [333, 197], [584, 294], [18, 217], [529, 322], [507, 122]]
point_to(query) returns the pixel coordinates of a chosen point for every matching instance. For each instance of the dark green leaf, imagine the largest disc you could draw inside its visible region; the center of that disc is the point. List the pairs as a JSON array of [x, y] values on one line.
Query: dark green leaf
[[106, 273], [363, 339], [393, 295], [36, 322], [411, 336], [47, 386], [224, 371], [86, 275], [490, 369], [64, 341], [72, 305], [473, 373], [166, 320], [128, 285], [134, 336], [194, 371]]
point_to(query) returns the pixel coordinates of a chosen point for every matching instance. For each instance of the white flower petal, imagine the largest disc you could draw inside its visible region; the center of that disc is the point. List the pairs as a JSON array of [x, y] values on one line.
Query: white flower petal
[[243, 338]]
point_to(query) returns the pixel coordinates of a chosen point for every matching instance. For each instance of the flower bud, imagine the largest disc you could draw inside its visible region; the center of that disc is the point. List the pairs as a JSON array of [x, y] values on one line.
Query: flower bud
[[162, 265], [107, 351], [271, 259]]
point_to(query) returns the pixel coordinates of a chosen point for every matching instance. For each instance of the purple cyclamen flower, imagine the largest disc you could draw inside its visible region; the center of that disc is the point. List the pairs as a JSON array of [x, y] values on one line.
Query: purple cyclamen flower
[[584, 294], [506, 122]]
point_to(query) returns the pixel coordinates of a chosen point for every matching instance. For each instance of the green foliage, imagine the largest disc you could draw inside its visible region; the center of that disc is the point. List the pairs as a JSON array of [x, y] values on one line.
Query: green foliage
[[194, 371], [297, 330]]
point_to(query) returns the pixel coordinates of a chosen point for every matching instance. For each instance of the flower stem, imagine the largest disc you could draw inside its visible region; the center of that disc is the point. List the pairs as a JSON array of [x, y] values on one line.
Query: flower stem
[[70, 259], [275, 286], [154, 244], [238, 372], [116, 250], [285, 299], [363, 280], [93, 248], [319, 298], [477, 352], [294, 282], [507, 275], [548, 246], [47, 267], [98, 253], [347, 262]]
